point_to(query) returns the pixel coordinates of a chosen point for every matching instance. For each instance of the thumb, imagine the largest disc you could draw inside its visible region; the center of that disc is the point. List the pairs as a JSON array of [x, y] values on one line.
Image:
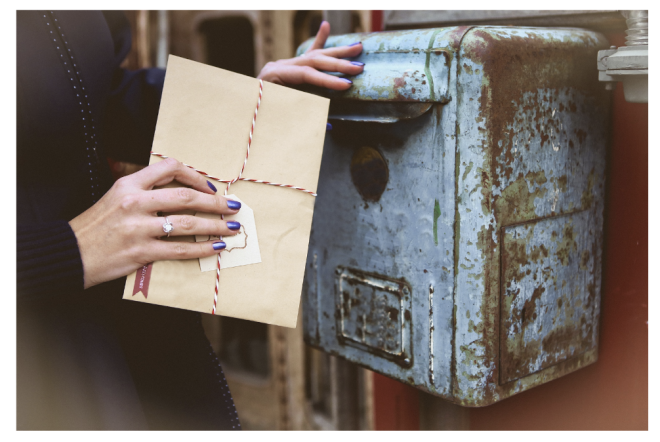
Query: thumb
[[321, 36]]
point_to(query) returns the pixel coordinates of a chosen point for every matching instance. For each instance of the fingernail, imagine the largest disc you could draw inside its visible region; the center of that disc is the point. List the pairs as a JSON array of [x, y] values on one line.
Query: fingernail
[[219, 245], [346, 80], [321, 24], [211, 186], [357, 63], [233, 225], [328, 126], [356, 43], [233, 205]]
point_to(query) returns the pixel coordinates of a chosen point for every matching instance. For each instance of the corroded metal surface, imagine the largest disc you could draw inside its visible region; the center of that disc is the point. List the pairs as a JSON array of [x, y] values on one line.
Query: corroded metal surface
[[491, 215], [375, 112], [548, 293], [373, 313], [401, 65], [531, 146], [391, 239]]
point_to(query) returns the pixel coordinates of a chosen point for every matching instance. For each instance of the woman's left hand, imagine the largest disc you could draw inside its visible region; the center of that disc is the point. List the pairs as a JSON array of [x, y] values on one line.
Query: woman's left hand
[[305, 69]]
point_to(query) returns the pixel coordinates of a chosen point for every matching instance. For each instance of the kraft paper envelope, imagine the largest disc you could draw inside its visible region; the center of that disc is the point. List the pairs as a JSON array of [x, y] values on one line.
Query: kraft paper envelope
[[204, 121]]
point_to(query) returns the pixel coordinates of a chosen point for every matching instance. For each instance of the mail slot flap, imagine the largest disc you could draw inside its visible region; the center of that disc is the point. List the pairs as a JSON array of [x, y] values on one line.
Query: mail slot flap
[[406, 66], [375, 112]]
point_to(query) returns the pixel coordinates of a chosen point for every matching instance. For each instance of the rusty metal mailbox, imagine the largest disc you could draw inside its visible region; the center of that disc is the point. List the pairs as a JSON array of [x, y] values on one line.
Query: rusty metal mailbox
[[457, 236]]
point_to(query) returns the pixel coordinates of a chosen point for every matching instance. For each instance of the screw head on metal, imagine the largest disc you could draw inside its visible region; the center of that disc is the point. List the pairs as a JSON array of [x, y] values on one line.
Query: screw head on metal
[[406, 291], [406, 361]]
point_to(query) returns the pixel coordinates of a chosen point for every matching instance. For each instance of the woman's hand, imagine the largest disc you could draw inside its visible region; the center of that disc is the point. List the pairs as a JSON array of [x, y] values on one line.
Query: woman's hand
[[119, 234], [305, 69]]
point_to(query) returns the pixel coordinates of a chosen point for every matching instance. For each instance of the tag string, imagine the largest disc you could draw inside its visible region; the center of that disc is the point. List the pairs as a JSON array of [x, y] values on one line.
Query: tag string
[[239, 178]]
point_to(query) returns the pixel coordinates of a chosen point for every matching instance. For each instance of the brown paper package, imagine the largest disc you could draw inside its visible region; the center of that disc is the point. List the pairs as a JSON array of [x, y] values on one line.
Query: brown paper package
[[204, 121]]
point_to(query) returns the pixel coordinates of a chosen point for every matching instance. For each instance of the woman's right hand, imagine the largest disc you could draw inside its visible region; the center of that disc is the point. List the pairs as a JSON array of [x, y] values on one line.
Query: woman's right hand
[[120, 233], [307, 68]]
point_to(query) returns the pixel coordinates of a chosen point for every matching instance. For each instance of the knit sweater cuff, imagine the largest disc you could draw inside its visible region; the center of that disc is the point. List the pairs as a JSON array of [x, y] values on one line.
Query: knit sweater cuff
[[48, 260]]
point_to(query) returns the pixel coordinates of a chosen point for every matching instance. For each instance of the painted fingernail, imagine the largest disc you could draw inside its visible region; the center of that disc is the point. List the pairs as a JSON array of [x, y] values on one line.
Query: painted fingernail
[[233, 225], [346, 80], [328, 126], [211, 186], [233, 205], [356, 43], [219, 245], [357, 63], [321, 24]]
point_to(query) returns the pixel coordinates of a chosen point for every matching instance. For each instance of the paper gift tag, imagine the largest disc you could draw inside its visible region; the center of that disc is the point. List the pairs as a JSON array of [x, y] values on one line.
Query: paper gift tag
[[242, 248]]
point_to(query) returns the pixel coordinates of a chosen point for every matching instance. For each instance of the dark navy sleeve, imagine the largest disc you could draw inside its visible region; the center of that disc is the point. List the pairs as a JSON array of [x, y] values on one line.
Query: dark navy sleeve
[[48, 259], [132, 107]]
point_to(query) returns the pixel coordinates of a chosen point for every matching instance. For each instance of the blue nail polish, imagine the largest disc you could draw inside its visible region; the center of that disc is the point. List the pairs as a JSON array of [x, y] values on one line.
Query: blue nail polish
[[357, 63], [233, 225], [219, 245], [233, 205], [321, 24], [328, 126], [356, 43], [211, 186], [346, 80]]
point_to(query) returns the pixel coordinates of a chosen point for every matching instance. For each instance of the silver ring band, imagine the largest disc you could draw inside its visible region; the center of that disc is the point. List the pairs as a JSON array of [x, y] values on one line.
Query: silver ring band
[[167, 227]]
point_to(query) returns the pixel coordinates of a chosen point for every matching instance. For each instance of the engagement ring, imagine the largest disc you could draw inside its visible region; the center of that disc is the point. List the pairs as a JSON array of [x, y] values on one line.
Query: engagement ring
[[167, 227]]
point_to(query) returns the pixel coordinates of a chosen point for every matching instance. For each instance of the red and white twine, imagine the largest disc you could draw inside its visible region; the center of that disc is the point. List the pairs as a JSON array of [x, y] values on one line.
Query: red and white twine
[[239, 178]]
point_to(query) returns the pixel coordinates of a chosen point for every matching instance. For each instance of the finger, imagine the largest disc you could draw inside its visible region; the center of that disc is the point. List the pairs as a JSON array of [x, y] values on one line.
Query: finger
[[352, 50], [184, 198], [167, 250], [331, 64], [166, 171], [321, 37], [307, 74], [194, 225]]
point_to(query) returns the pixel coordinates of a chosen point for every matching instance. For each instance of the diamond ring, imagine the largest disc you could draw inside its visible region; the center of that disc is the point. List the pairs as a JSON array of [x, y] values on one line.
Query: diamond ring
[[167, 227]]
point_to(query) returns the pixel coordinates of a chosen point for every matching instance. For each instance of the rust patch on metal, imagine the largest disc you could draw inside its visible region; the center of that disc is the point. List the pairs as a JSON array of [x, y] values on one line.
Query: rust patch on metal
[[373, 314], [516, 202], [404, 88], [547, 313], [553, 70], [587, 199], [456, 36]]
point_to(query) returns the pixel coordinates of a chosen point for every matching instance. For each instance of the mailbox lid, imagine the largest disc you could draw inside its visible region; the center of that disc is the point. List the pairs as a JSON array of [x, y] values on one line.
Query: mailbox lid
[[400, 66]]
